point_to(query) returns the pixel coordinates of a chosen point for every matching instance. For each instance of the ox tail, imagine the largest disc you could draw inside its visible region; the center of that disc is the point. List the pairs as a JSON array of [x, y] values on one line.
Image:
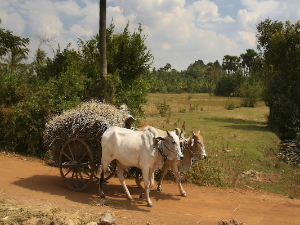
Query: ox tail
[[101, 180], [101, 185]]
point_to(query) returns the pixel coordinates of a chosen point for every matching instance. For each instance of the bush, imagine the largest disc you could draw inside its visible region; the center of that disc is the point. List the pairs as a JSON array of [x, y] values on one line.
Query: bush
[[284, 117], [23, 127], [182, 110], [24, 123], [283, 100], [251, 94], [163, 108], [10, 91], [229, 104], [204, 173], [225, 86]]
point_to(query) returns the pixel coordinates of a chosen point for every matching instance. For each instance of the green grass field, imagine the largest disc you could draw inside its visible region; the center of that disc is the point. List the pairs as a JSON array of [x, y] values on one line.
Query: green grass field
[[241, 149]]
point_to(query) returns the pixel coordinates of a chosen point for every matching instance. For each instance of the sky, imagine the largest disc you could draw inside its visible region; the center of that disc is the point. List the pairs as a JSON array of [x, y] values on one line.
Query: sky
[[178, 32]]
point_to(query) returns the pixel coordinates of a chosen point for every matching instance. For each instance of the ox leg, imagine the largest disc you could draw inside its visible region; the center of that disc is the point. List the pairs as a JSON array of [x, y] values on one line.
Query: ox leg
[[163, 174], [138, 177], [147, 184], [178, 180], [120, 173], [101, 181], [151, 179]]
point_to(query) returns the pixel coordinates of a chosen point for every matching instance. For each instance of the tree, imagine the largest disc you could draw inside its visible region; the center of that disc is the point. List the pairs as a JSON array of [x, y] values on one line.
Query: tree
[[265, 31], [102, 39], [128, 53], [13, 45], [9, 42], [230, 63], [106, 86], [129, 60], [196, 69], [59, 63], [89, 54], [279, 44], [14, 60], [247, 61], [167, 67], [217, 65], [40, 60], [226, 86]]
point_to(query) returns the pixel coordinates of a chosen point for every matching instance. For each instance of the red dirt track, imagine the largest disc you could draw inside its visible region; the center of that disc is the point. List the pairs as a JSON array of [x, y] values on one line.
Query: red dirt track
[[25, 180]]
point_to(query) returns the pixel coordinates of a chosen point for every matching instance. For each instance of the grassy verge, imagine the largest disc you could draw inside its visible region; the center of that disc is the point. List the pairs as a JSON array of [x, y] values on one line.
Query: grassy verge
[[241, 148]]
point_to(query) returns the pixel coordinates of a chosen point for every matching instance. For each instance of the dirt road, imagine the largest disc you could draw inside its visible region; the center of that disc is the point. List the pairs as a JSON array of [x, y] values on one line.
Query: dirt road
[[26, 180]]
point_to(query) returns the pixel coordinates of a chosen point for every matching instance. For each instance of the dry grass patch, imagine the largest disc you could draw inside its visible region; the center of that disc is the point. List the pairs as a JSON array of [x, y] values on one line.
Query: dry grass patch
[[12, 213]]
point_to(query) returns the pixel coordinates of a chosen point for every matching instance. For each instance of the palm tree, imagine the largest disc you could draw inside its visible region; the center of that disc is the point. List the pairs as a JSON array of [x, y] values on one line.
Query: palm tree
[[40, 60], [247, 60], [14, 59], [102, 39], [105, 86]]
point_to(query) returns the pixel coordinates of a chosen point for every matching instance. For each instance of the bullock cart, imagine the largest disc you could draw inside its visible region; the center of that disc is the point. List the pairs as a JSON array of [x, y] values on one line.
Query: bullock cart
[[73, 140]]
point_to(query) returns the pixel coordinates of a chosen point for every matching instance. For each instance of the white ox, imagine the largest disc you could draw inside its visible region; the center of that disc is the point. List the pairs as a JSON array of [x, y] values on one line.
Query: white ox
[[192, 148], [141, 149]]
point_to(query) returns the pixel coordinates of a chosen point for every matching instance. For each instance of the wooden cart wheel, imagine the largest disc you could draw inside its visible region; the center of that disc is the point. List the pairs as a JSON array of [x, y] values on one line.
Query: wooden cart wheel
[[76, 164], [95, 145]]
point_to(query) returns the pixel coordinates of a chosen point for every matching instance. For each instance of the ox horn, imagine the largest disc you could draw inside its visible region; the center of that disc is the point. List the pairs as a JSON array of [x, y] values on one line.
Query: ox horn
[[168, 132], [183, 126], [181, 132]]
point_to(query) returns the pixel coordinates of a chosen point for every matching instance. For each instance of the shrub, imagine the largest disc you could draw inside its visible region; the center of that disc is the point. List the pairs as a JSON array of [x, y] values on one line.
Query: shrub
[[192, 107], [225, 86], [283, 100], [11, 86], [251, 94], [204, 173], [163, 108], [229, 104], [23, 125], [182, 110]]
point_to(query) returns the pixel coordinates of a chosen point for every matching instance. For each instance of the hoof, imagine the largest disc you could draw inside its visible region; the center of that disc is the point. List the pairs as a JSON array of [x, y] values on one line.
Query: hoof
[[102, 196], [150, 205], [141, 195], [159, 189], [184, 194]]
